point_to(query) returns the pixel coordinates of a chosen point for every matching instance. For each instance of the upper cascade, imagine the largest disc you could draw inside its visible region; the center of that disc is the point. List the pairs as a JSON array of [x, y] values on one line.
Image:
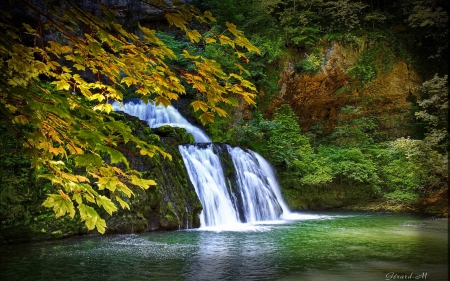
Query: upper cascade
[[158, 115]]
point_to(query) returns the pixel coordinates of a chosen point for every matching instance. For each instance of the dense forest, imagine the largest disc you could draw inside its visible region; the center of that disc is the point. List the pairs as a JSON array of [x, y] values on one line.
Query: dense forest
[[352, 102], [348, 100]]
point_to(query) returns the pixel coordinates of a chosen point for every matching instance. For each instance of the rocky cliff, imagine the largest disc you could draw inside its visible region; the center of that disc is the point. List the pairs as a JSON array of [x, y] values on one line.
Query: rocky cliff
[[171, 205]]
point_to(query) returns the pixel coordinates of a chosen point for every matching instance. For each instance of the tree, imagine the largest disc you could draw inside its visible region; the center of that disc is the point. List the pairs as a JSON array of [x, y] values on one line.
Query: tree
[[61, 116], [434, 105]]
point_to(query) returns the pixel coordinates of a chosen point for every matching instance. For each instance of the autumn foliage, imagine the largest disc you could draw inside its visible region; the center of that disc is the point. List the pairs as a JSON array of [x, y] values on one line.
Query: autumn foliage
[[60, 71]]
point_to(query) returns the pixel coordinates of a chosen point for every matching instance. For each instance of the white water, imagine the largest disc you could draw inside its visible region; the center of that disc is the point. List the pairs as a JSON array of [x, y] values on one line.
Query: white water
[[157, 116], [238, 202]]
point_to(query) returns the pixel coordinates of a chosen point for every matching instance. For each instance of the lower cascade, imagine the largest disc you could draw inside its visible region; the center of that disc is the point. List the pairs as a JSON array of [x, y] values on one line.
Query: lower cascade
[[234, 185]]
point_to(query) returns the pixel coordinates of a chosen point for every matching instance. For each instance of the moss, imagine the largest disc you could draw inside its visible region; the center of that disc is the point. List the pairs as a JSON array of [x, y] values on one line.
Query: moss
[[171, 204]]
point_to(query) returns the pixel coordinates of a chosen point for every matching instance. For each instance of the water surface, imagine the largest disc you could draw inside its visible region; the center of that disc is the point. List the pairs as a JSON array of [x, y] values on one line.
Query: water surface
[[313, 246]]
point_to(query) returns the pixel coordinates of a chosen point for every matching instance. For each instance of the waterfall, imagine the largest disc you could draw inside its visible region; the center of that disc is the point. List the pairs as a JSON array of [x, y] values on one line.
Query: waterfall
[[157, 116], [234, 185]]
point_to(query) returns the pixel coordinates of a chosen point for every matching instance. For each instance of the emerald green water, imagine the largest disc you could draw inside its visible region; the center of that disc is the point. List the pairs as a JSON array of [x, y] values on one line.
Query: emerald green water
[[325, 246]]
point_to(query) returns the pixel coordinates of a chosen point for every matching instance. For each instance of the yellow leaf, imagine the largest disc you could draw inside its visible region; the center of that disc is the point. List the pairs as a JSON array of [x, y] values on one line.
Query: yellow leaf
[[209, 16], [60, 204], [21, 119], [193, 36], [207, 117], [232, 28], [98, 97], [144, 183], [106, 203], [177, 20], [210, 40], [70, 177], [162, 100], [143, 91], [79, 67], [29, 28], [129, 81], [11, 108], [224, 40], [220, 111], [189, 56], [199, 105], [61, 85]]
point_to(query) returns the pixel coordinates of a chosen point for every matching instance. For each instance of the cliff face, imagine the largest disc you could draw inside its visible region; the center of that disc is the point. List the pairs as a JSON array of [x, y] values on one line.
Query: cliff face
[[171, 205], [318, 98], [128, 12]]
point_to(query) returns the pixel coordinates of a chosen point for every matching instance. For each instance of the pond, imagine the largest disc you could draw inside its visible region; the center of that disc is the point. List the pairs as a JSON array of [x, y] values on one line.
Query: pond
[[305, 246]]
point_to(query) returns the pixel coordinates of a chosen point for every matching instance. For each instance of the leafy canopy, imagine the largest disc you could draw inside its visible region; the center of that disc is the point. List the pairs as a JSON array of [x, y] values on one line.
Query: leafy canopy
[[60, 71]]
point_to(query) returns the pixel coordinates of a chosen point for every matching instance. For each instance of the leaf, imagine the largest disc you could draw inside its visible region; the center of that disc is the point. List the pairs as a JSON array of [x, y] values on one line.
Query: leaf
[[207, 117], [77, 197], [193, 36], [98, 97], [199, 105], [101, 225], [129, 81], [61, 205], [163, 101], [122, 203], [20, 119], [84, 160], [144, 183], [225, 40], [177, 20], [106, 203], [61, 85], [232, 28], [115, 155], [110, 183], [232, 101], [104, 107], [91, 217], [79, 67], [210, 40], [209, 16], [220, 111]]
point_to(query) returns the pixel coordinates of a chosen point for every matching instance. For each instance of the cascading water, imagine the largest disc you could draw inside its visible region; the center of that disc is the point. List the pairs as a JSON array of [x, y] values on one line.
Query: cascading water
[[157, 116], [234, 186]]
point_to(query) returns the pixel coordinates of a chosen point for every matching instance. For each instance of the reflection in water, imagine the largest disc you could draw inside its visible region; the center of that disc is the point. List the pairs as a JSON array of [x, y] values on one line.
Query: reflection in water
[[315, 247], [232, 256]]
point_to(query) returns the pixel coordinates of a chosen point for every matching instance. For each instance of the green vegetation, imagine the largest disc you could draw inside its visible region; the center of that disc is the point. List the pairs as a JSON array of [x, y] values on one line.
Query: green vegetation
[[371, 145], [347, 99], [71, 135]]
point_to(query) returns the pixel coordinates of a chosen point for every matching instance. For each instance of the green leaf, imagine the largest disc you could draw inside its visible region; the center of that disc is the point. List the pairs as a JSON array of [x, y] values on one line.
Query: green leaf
[[110, 183], [106, 203], [115, 155], [144, 183], [122, 203], [92, 219], [60, 205], [85, 160], [232, 101]]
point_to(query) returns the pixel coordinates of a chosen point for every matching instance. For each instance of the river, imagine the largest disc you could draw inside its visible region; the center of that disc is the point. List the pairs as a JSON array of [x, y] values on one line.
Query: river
[[304, 246]]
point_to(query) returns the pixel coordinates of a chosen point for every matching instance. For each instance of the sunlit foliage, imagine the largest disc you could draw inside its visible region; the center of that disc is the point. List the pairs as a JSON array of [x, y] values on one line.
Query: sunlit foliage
[[62, 68]]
